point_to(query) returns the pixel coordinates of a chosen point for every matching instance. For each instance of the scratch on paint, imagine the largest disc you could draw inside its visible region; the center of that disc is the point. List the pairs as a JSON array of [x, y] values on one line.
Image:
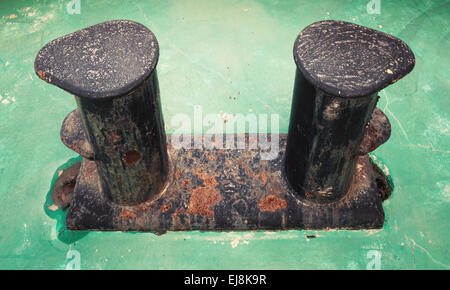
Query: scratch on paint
[[386, 109], [414, 244], [426, 147]]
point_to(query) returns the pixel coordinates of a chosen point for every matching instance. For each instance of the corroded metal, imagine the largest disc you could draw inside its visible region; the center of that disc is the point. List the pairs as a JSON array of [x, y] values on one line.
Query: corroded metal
[[216, 189], [64, 186], [377, 132], [74, 136], [129, 143], [130, 179], [110, 69]]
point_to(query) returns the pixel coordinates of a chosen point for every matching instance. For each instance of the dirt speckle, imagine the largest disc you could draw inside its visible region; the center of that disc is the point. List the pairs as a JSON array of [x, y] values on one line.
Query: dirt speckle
[[331, 112], [166, 207], [127, 214], [262, 175], [115, 138], [41, 74], [177, 174], [186, 182]]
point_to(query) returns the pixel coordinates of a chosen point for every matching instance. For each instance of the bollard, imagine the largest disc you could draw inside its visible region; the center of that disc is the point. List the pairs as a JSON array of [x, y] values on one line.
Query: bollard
[[110, 68], [341, 67], [132, 179]]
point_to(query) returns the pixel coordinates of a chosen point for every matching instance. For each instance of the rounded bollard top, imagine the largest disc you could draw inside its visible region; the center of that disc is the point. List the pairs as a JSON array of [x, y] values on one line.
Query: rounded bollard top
[[104, 60], [349, 60]]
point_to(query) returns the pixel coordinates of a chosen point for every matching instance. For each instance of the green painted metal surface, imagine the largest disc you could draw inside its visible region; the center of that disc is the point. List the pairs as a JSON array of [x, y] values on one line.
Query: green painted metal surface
[[229, 57]]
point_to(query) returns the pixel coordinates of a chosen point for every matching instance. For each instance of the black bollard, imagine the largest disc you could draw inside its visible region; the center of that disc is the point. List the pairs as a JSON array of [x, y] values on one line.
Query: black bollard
[[110, 68], [341, 67]]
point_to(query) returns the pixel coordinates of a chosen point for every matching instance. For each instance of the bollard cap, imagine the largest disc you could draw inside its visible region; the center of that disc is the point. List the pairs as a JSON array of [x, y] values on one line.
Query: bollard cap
[[104, 60], [349, 60]]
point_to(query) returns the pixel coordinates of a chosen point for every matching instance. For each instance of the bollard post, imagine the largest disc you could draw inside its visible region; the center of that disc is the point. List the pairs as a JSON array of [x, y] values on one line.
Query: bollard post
[[113, 78], [341, 67]]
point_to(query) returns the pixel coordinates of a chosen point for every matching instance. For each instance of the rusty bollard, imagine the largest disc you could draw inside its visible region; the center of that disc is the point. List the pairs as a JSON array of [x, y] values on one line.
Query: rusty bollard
[[111, 69], [320, 176], [341, 67]]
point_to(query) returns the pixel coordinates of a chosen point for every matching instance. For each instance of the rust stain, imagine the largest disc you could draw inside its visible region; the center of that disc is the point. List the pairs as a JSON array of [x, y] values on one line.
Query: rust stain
[[204, 197], [165, 207], [178, 212], [131, 157], [186, 182], [177, 174], [127, 214], [115, 138], [74, 147], [43, 77], [247, 169], [208, 181], [272, 203], [41, 74], [262, 175], [202, 201], [143, 207]]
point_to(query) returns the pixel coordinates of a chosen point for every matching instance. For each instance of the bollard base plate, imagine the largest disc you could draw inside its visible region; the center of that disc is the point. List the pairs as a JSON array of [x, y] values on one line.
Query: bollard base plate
[[226, 190]]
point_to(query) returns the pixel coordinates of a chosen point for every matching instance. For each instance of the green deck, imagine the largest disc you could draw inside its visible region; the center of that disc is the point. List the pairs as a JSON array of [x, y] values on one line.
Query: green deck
[[229, 57]]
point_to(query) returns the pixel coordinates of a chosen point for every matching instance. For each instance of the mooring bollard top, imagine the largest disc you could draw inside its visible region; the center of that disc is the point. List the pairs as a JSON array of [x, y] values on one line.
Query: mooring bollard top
[[349, 60], [104, 60]]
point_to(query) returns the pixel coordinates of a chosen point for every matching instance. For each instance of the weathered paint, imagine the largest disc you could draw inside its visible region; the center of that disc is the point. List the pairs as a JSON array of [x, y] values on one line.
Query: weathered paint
[[231, 58], [237, 190], [128, 140], [325, 133]]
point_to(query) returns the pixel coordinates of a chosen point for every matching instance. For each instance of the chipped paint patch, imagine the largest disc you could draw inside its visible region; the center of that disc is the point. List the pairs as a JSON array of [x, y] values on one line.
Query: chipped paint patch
[[53, 207], [7, 99]]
